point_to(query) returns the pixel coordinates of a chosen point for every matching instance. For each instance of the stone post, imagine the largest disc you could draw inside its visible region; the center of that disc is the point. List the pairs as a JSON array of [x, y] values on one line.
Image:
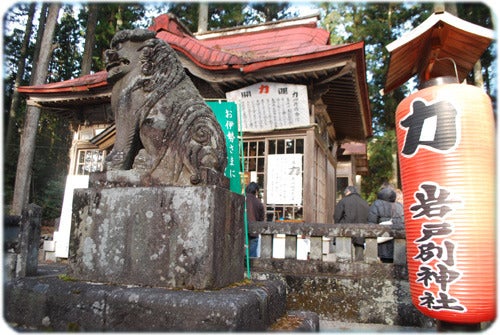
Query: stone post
[[291, 246], [399, 251], [11, 228], [344, 248], [29, 240], [316, 252], [371, 250], [266, 246]]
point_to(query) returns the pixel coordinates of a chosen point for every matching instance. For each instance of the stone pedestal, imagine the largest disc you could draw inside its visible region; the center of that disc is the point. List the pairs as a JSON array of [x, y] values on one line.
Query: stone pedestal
[[48, 303], [174, 237]]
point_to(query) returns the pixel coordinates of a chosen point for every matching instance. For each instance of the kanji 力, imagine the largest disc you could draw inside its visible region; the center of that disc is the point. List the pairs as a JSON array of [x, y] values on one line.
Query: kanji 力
[[434, 126]]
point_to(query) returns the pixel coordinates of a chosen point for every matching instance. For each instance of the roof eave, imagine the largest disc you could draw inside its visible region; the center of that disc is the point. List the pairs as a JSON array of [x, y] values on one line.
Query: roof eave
[[85, 83], [404, 64]]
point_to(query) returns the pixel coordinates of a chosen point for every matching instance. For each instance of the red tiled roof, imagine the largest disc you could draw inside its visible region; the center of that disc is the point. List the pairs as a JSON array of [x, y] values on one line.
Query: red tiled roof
[[275, 43], [247, 51], [80, 84], [243, 49]]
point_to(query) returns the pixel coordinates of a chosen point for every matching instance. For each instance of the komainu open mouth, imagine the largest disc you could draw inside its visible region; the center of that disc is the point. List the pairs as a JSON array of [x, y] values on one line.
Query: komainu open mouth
[[117, 63]]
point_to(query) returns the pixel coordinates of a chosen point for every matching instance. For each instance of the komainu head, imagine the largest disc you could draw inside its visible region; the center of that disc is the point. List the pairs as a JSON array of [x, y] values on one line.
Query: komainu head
[[165, 132]]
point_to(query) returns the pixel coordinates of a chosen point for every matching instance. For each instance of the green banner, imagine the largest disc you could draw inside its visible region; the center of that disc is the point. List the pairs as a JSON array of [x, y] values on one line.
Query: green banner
[[227, 115]]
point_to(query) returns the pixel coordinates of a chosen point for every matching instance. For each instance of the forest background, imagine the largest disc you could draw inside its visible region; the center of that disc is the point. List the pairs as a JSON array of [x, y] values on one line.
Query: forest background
[[83, 31]]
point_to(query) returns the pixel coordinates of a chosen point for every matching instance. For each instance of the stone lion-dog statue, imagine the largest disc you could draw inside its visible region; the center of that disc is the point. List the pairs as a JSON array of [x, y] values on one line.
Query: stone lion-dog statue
[[165, 132]]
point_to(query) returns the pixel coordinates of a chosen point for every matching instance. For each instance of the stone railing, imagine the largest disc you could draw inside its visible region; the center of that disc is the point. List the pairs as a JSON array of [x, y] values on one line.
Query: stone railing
[[322, 235], [325, 279]]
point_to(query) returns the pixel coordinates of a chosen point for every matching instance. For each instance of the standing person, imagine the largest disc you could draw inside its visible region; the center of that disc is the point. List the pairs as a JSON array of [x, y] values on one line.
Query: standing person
[[383, 209], [255, 212], [352, 209]]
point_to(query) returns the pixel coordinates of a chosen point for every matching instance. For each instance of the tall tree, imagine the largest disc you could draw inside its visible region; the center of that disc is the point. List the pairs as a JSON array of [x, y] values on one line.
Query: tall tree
[[50, 159], [15, 103], [203, 17], [67, 56], [91, 25], [28, 137], [381, 153], [220, 15], [269, 11], [14, 75], [484, 74], [111, 17], [379, 24], [229, 14], [39, 39]]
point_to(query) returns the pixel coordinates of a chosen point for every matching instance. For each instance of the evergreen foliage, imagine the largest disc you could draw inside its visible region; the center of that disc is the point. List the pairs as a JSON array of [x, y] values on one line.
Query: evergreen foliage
[[378, 24]]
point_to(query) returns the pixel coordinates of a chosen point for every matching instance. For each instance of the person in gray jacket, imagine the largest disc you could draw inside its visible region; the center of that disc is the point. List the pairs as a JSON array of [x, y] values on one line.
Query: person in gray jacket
[[352, 209], [383, 209], [255, 213]]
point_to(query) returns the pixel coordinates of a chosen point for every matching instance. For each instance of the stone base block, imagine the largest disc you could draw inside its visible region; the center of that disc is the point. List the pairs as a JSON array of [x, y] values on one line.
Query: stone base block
[[174, 237], [53, 304]]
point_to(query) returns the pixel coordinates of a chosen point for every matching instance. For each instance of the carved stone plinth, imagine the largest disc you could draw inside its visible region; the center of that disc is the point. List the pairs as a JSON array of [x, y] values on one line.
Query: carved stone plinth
[[176, 237]]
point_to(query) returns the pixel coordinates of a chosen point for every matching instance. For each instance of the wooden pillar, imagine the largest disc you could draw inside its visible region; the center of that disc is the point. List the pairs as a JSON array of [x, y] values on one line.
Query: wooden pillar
[[309, 175]]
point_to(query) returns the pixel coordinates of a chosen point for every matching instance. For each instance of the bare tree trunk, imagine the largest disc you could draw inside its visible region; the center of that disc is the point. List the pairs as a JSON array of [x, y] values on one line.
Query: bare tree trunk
[[89, 39], [203, 17], [28, 136], [451, 7], [38, 43], [478, 74], [14, 105]]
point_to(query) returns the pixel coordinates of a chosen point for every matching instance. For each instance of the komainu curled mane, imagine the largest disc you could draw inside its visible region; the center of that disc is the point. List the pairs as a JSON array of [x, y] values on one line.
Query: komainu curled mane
[[164, 130]]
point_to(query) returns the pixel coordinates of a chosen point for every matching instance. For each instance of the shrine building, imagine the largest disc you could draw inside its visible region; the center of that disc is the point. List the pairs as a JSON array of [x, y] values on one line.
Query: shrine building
[[303, 106]]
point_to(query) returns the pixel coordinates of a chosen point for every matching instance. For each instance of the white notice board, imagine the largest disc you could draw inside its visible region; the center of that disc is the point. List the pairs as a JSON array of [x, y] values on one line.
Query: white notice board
[[284, 179], [268, 106]]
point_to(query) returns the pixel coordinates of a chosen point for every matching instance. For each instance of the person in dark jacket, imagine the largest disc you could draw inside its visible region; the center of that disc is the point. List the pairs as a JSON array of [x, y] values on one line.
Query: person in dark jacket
[[383, 209], [255, 213], [352, 209]]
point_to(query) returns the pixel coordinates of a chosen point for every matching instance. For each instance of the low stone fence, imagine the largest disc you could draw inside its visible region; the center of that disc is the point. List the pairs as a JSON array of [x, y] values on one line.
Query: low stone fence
[[320, 234], [329, 282]]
